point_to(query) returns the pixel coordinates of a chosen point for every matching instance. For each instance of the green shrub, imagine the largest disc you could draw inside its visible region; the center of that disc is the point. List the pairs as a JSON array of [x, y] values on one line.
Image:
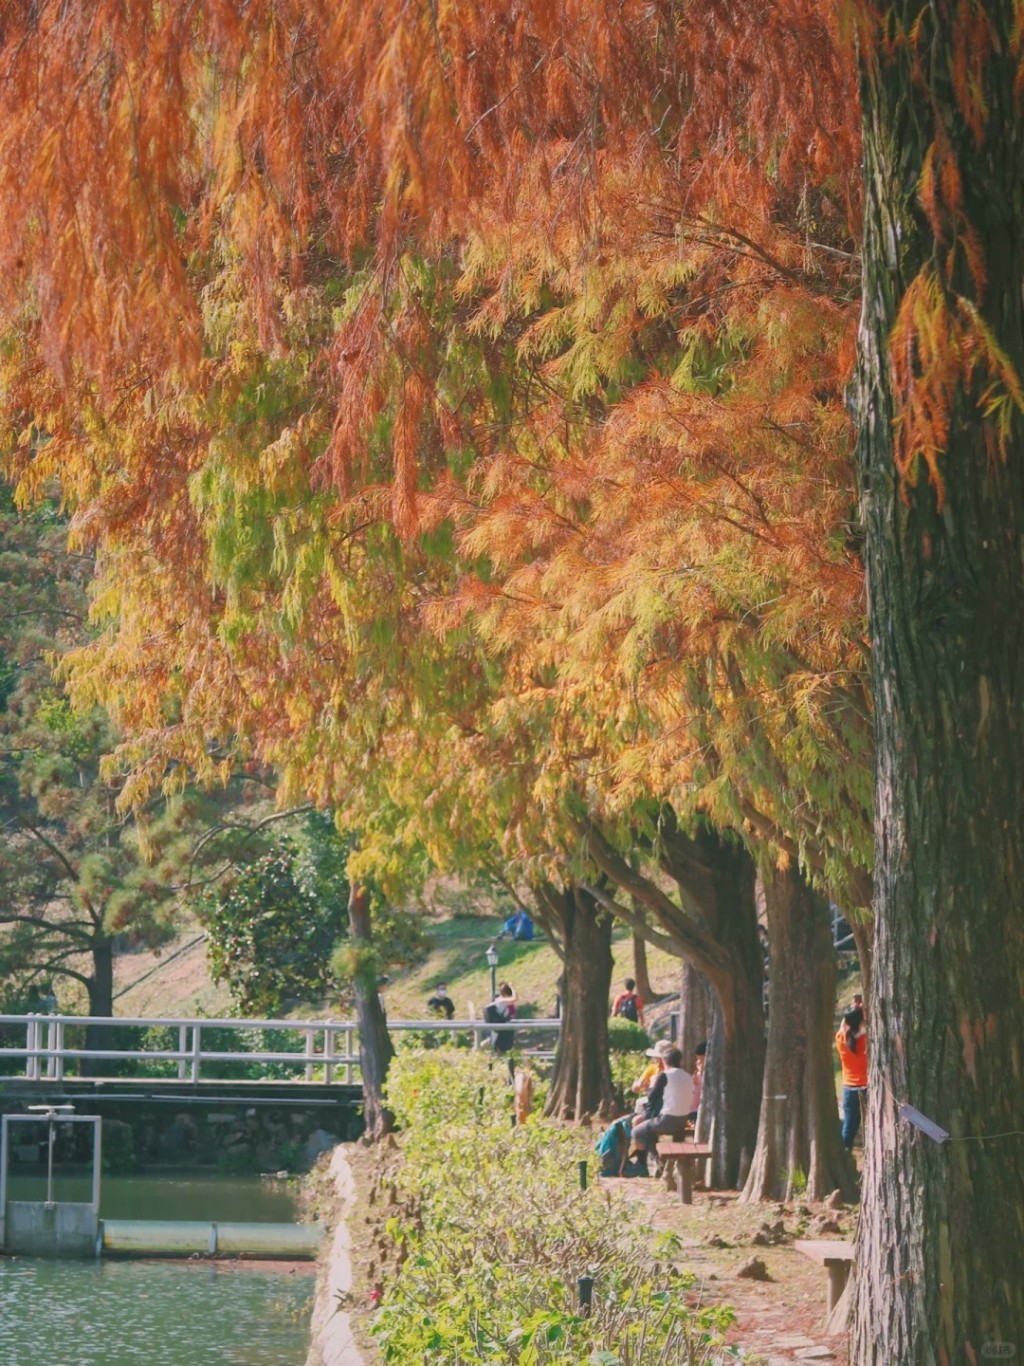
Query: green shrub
[[493, 1232], [626, 1036]]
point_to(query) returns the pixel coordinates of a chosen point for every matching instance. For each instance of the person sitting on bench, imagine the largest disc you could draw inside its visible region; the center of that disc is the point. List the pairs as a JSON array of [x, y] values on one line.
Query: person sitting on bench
[[669, 1103]]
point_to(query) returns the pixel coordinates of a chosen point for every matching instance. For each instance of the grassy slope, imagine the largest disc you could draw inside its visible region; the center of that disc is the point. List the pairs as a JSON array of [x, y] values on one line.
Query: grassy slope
[[457, 957], [182, 986], [168, 985]]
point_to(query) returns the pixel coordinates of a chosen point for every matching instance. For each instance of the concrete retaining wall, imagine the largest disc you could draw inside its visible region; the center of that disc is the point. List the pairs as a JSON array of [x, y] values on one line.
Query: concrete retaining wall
[[331, 1340], [35, 1229]]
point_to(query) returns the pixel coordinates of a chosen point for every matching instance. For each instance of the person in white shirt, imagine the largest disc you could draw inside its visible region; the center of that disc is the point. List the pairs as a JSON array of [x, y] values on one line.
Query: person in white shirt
[[669, 1104]]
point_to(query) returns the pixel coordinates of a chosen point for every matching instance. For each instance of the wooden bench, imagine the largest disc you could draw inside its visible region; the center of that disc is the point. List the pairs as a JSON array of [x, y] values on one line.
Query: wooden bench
[[837, 1259], [685, 1156]]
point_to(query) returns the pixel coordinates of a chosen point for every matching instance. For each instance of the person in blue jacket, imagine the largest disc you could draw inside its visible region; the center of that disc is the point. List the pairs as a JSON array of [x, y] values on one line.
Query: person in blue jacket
[[517, 926]]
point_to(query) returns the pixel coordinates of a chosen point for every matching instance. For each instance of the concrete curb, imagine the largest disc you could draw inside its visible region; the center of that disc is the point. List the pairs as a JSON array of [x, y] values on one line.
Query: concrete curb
[[331, 1340]]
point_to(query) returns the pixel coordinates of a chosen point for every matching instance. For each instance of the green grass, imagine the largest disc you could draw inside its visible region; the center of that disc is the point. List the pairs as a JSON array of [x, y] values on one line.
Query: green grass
[[457, 957]]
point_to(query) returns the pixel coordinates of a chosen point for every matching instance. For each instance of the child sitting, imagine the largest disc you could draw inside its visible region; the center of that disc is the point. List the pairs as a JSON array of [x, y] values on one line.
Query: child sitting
[[613, 1147]]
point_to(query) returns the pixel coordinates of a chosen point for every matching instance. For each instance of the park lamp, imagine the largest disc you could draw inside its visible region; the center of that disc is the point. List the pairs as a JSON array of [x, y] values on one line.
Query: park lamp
[[492, 963]]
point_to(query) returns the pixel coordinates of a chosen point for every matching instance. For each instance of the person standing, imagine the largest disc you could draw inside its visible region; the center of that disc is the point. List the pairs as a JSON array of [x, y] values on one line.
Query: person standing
[[502, 1010], [852, 1045], [628, 1005], [441, 1002]]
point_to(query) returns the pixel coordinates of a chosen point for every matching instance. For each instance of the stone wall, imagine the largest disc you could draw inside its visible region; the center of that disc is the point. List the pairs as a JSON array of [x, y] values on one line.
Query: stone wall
[[231, 1135]]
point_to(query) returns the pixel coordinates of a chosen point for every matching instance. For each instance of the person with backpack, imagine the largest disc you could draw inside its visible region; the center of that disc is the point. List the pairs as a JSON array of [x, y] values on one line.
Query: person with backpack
[[628, 1005]]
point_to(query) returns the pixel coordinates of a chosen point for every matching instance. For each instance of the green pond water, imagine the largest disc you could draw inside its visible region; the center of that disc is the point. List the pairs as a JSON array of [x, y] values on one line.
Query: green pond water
[[151, 1314], [158, 1313], [248, 1199]]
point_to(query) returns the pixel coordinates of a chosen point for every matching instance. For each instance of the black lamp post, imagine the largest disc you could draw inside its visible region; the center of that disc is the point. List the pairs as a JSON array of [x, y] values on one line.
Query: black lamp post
[[492, 963]]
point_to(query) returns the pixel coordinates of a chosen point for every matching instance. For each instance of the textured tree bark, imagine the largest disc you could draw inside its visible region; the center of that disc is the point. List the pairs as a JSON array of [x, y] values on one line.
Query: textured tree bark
[[863, 932], [375, 1047], [715, 925], [640, 973], [582, 1082], [941, 1248], [799, 1126], [720, 874], [696, 1006]]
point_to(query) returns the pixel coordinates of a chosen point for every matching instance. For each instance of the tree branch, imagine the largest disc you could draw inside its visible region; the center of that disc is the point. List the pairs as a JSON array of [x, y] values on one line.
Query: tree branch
[[692, 938]]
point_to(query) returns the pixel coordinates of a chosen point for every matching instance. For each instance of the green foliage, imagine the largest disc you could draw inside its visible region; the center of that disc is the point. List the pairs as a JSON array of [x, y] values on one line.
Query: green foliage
[[274, 926], [626, 1036], [490, 1261], [119, 1156], [79, 878]]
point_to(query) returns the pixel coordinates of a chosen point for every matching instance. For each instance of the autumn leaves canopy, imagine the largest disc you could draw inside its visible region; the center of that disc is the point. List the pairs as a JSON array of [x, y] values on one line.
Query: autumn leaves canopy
[[454, 393]]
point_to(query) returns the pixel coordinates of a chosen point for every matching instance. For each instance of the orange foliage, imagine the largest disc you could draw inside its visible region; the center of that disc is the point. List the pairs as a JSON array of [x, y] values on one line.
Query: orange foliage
[[577, 278]]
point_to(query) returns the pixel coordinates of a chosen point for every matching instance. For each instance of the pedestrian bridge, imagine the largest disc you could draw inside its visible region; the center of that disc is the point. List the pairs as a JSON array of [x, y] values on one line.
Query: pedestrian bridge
[[51, 1050]]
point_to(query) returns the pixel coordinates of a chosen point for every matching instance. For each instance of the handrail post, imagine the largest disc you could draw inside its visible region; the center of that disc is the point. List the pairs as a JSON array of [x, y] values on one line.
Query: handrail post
[[182, 1048], [32, 1060], [310, 1052], [196, 1037], [59, 1060], [328, 1054], [51, 1041], [348, 1055]]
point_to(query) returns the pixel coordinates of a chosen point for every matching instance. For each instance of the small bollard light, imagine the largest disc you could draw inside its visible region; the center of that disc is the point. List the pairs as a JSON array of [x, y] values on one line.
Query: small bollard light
[[584, 1293], [583, 1173]]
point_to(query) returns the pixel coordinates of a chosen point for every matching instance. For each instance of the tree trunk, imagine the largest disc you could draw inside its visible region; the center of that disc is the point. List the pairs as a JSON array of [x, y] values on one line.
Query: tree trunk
[[941, 1249], [101, 983], [862, 934], [582, 1082], [643, 978], [731, 1094], [798, 1138], [375, 1048], [101, 1003], [696, 1004], [714, 924]]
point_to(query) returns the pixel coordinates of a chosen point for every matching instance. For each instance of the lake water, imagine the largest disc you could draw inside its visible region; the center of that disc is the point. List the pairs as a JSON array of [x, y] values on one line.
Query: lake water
[[156, 1313], [152, 1314], [248, 1199]]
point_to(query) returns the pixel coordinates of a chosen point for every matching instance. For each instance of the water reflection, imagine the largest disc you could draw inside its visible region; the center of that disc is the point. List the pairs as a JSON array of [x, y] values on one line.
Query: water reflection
[[246, 1199], [152, 1314]]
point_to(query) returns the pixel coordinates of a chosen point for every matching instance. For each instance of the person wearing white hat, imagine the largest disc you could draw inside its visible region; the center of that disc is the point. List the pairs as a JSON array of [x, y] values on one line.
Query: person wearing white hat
[[669, 1103], [649, 1075]]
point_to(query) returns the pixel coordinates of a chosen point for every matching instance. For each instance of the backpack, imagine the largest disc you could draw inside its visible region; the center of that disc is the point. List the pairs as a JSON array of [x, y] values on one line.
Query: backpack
[[628, 1010]]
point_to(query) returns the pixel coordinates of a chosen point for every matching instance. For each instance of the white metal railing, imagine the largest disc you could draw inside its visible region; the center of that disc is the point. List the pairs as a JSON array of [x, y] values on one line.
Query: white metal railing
[[328, 1053]]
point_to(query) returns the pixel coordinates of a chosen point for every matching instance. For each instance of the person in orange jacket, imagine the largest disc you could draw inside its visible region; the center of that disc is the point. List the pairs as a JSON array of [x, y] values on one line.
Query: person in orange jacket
[[852, 1043]]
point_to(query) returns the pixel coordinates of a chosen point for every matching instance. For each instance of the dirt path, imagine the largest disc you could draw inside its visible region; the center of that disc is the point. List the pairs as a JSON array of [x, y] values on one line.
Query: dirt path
[[779, 1320]]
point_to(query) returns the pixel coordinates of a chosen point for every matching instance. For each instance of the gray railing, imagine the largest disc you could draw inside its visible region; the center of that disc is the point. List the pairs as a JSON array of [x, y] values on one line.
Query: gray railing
[[326, 1051]]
